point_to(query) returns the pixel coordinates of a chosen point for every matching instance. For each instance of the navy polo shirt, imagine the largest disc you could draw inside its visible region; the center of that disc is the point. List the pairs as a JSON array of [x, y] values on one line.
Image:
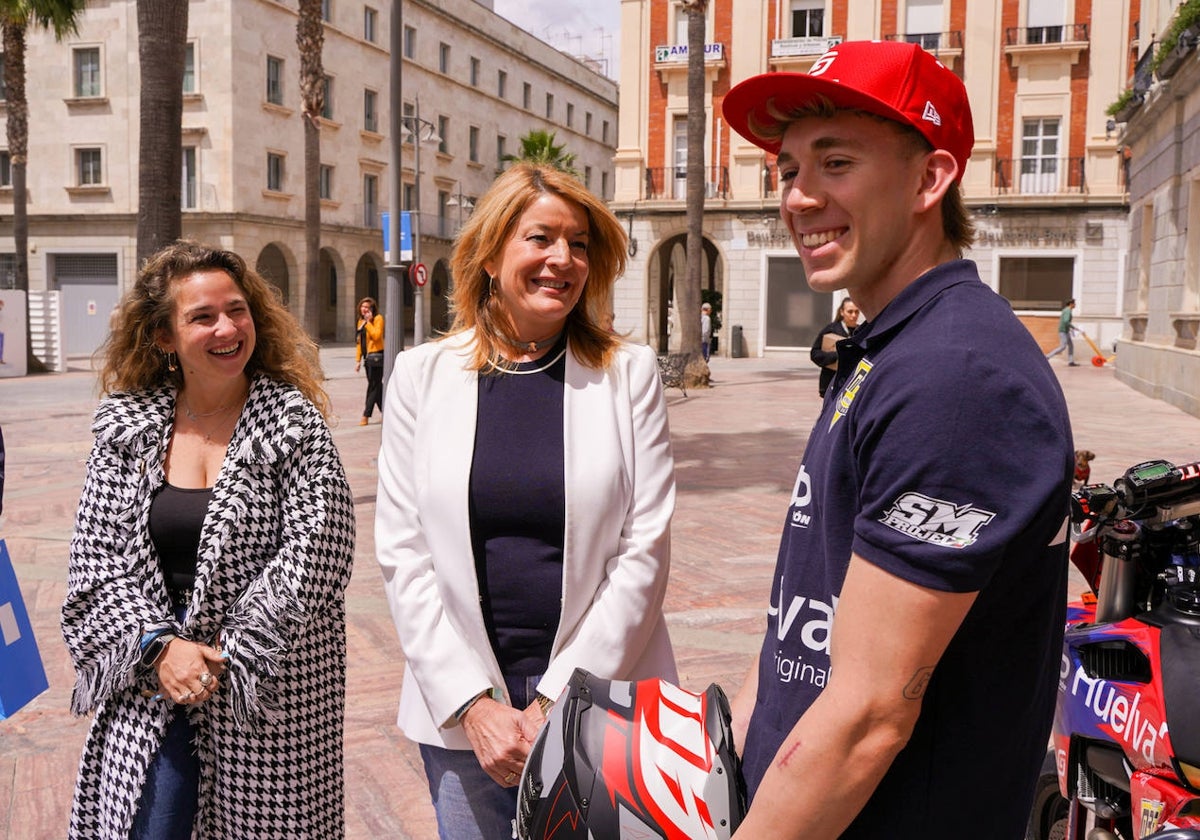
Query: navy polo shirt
[[943, 455]]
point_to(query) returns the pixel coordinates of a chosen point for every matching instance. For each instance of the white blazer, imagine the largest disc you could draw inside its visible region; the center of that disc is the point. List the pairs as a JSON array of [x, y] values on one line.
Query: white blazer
[[620, 495]]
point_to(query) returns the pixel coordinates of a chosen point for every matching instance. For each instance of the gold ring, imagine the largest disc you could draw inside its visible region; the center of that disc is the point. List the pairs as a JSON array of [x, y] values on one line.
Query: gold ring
[[510, 777], [187, 697]]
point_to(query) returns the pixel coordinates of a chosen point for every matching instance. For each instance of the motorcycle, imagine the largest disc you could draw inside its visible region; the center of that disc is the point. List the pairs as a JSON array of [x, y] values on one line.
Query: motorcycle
[[1125, 757]]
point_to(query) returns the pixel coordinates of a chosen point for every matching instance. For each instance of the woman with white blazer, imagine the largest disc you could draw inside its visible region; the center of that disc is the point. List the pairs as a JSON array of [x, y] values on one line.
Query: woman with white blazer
[[526, 487]]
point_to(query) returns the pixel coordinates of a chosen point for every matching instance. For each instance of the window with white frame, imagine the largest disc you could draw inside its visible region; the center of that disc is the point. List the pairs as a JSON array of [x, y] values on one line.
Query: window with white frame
[[370, 200], [370, 23], [187, 187], [808, 18], [444, 57], [370, 114], [89, 167], [275, 171], [325, 182], [1040, 164], [189, 68], [5, 169], [274, 80], [923, 23], [327, 98], [1045, 19], [473, 144], [87, 71], [410, 42]]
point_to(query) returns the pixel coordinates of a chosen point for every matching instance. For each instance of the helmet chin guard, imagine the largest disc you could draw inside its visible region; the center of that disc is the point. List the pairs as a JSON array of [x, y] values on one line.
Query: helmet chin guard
[[620, 760]]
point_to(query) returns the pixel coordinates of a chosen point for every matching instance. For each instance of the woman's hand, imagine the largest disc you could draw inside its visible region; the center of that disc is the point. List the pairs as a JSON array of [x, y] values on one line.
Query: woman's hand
[[356, 364], [188, 672], [501, 737]]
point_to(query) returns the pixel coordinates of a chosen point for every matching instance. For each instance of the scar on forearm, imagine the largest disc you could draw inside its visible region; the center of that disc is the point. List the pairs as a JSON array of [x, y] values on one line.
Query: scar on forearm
[[915, 689], [786, 758]]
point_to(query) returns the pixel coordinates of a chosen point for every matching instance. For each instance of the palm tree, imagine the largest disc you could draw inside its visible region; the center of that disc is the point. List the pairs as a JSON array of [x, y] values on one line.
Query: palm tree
[[538, 146], [16, 16], [310, 38], [687, 293], [162, 46]]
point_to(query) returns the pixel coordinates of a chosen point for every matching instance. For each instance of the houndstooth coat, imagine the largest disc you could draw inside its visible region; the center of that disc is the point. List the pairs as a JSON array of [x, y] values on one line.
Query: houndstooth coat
[[275, 556]]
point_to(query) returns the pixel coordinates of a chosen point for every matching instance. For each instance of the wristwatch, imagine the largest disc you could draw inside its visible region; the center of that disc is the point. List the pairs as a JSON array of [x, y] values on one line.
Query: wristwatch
[[545, 703], [155, 648]]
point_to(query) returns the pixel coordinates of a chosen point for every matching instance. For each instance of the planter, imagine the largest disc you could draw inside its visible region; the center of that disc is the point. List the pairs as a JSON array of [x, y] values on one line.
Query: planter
[[1170, 63], [1128, 109]]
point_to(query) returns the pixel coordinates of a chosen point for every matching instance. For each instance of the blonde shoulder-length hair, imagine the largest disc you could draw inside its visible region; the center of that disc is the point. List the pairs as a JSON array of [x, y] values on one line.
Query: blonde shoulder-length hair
[[490, 228]]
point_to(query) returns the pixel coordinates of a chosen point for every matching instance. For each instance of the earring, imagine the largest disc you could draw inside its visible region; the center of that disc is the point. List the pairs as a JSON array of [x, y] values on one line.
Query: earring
[[170, 358]]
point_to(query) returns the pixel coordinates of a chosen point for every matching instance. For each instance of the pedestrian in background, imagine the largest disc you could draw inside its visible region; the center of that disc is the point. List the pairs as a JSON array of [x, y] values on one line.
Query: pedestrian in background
[[706, 329], [368, 351], [1065, 330], [525, 496], [824, 348], [880, 680], [213, 543]]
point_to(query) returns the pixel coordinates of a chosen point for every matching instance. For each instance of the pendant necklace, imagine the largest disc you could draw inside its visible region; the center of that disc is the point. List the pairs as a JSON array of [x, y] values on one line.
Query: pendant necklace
[[532, 346], [526, 372], [194, 416]]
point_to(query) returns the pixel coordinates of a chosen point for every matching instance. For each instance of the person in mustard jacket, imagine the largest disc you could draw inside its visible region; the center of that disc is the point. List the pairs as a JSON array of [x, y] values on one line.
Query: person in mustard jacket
[[368, 337]]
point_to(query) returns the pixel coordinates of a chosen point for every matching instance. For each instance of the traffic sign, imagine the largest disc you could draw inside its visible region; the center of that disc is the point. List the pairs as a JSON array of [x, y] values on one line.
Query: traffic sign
[[419, 275]]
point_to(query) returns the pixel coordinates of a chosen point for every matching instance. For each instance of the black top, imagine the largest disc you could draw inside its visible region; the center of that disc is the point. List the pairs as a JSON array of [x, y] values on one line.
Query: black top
[[176, 517], [518, 509]]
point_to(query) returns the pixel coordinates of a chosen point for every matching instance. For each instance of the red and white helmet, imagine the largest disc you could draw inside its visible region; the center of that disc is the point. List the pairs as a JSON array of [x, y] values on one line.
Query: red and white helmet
[[619, 760]]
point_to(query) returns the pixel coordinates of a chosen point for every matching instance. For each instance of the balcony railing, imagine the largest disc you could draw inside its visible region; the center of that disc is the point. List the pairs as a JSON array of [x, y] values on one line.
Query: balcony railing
[[1020, 36], [1040, 176], [931, 41], [670, 182]]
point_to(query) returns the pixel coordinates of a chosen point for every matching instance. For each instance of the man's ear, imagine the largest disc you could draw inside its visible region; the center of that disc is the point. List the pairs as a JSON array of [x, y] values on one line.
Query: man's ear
[[939, 173]]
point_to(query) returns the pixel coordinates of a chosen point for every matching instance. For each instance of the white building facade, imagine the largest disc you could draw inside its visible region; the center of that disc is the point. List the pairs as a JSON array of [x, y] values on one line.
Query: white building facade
[[480, 83]]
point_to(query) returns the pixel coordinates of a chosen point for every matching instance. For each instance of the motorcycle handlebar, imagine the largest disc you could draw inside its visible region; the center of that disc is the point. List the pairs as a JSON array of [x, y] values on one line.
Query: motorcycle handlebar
[[1144, 492]]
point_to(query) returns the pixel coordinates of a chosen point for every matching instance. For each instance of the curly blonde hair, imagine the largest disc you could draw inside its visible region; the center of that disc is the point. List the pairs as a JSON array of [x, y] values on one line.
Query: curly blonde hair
[[130, 356], [491, 227]]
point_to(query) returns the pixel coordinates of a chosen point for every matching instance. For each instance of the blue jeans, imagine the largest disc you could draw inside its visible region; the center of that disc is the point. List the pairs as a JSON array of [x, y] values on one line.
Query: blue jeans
[[171, 794], [1064, 343], [469, 805]]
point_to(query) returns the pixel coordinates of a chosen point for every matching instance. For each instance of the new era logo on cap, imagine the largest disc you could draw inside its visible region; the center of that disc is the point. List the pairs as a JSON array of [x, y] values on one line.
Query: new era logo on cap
[[931, 114], [891, 79]]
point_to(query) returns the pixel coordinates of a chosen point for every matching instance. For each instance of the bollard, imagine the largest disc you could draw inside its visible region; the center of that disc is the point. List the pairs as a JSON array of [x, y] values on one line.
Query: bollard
[[737, 344]]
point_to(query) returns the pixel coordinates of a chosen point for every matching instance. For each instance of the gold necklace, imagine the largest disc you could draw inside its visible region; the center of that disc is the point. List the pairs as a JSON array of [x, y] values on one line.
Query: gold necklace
[[194, 417]]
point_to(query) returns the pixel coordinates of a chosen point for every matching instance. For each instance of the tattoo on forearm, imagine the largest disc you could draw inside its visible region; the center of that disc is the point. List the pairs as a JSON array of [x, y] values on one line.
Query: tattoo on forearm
[[786, 758], [915, 689]]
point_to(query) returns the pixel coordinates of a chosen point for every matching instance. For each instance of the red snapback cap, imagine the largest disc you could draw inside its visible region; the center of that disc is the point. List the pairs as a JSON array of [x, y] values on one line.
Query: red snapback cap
[[892, 79]]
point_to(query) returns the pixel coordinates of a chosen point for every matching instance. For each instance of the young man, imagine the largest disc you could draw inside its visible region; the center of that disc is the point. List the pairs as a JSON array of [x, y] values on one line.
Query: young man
[[1064, 334], [906, 683]]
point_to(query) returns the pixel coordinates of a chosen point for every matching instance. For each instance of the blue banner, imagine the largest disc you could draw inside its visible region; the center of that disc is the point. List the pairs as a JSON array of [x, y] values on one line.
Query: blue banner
[[22, 676], [406, 249]]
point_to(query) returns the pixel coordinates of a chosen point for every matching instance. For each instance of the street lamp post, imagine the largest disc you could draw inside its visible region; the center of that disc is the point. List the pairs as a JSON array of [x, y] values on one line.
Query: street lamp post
[[421, 131], [393, 336], [461, 202]]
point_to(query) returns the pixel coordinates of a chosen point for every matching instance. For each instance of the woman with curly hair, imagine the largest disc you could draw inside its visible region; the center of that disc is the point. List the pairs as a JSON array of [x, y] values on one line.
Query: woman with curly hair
[[525, 495], [213, 543]]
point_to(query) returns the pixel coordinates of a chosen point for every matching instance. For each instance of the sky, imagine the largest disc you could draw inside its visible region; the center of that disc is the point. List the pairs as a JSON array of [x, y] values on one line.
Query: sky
[[578, 27]]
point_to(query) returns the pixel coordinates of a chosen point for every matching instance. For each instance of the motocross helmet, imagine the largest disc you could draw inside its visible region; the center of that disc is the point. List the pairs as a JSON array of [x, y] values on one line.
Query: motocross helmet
[[618, 760]]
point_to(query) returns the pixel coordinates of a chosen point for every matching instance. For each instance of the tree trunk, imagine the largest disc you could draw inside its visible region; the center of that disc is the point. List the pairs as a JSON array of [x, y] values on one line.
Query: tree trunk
[[687, 293], [162, 46], [310, 38], [17, 130]]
